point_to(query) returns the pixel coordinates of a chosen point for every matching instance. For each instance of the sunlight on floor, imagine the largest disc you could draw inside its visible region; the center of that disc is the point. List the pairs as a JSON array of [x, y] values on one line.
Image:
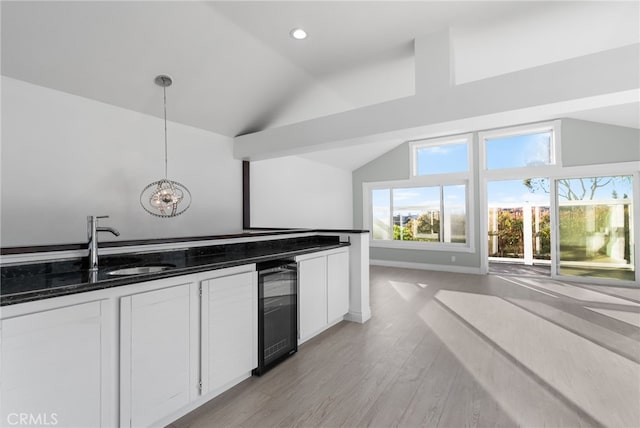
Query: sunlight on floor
[[518, 394], [520, 284], [577, 293], [585, 325], [632, 318], [604, 336], [588, 375], [406, 290]]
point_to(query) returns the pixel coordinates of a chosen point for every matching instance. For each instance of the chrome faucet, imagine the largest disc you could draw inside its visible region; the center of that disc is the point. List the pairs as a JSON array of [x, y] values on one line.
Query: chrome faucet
[[92, 232]]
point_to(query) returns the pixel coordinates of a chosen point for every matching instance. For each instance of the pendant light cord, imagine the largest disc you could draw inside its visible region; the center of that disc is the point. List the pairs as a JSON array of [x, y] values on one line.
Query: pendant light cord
[[164, 90]]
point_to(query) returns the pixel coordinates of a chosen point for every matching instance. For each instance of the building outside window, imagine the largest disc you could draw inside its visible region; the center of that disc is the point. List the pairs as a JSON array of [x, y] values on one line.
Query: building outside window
[[430, 209]]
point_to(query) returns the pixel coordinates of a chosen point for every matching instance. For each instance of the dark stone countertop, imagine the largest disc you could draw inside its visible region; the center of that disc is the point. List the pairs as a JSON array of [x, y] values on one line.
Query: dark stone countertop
[[247, 233], [36, 281]]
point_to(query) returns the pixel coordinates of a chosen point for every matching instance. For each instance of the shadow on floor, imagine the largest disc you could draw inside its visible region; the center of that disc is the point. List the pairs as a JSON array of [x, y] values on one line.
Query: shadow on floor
[[506, 268]]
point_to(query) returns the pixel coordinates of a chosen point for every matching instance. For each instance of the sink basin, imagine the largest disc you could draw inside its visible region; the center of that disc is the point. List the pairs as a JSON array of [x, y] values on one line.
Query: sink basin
[[138, 270]]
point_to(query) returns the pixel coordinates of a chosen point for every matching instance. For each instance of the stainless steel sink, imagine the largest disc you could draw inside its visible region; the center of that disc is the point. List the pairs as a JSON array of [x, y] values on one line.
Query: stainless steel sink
[[138, 270]]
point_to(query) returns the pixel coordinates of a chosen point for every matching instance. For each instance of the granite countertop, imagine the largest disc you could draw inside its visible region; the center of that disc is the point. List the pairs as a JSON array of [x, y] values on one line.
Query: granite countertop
[[37, 281], [246, 233]]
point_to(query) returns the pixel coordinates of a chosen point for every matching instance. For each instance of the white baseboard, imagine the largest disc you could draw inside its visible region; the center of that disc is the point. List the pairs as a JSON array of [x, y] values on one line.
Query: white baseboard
[[425, 266]]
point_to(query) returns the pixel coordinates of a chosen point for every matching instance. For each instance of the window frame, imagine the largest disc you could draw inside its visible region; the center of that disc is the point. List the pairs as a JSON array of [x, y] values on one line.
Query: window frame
[[415, 145], [430, 180], [632, 169], [466, 247], [515, 131]]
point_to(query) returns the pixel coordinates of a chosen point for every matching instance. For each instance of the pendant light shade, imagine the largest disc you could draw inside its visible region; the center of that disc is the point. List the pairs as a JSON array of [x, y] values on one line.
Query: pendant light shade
[[165, 198]]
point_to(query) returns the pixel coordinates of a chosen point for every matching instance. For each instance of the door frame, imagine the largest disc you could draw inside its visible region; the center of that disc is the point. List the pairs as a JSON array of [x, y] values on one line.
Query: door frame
[[513, 174], [555, 173]]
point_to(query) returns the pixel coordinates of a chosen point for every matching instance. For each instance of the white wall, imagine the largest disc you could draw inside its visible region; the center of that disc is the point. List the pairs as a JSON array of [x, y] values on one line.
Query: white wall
[[559, 31], [299, 193], [590, 143], [65, 157]]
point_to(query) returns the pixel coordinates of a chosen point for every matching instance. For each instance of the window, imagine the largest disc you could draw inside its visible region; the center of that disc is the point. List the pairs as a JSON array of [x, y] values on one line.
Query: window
[[522, 147], [416, 214], [420, 214], [430, 210], [447, 158]]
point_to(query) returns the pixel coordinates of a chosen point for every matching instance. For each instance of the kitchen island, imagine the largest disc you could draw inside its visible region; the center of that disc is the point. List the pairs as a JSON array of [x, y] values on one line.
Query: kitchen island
[[144, 349], [34, 281]]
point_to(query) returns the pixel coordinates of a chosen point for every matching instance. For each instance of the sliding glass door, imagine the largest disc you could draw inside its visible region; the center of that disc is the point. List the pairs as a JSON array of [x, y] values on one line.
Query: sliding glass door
[[519, 226], [595, 227]]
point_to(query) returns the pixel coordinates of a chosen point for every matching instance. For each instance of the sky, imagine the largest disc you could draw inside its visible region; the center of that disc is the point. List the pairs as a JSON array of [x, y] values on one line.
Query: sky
[[442, 159], [514, 191], [418, 199], [533, 149]]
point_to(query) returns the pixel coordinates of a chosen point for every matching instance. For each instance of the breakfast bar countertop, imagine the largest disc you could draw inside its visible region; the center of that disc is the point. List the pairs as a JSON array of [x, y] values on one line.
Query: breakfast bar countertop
[[22, 283]]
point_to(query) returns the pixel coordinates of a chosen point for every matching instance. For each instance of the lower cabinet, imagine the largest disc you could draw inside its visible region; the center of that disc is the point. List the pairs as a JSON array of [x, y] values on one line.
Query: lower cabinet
[[323, 291], [188, 337], [182, 341], [337, 285], [229, 330], [312, 295], [55, 367], [158, 353]]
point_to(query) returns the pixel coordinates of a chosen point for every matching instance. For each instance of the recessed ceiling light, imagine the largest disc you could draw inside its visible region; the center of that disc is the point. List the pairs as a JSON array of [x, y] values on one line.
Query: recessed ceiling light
[[298, 33]]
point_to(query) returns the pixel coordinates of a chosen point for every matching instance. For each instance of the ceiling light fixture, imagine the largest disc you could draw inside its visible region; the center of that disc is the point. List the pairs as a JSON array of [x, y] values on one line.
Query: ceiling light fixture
[[298, 34], [165, 198]]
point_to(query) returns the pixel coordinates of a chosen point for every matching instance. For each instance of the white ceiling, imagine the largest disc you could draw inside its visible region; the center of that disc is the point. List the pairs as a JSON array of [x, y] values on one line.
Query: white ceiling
[[236, 70], [346, 34]]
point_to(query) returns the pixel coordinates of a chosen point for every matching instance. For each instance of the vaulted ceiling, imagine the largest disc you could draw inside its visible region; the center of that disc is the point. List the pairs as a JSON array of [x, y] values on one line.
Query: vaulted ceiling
[[236, 70]]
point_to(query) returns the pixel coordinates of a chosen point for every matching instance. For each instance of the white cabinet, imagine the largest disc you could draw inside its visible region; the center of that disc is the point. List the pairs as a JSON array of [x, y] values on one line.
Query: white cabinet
[[323, 291], [64, 363], [158, 352], [55, 367], [185, 332], [337, 285], [312, 295], [229, 330]]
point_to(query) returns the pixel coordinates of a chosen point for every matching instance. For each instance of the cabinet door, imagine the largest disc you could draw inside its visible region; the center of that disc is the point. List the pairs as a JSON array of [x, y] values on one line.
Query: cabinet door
[[54, 366], [229, 330], [337, 285], [312, 295], [158, 353]]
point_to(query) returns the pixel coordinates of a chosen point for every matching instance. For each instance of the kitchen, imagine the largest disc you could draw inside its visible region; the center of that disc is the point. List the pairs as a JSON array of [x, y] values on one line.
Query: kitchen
[[318, 119]]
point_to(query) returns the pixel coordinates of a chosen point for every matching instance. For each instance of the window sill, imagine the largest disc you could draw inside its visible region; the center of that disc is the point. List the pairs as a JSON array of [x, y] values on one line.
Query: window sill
[[423, 246]]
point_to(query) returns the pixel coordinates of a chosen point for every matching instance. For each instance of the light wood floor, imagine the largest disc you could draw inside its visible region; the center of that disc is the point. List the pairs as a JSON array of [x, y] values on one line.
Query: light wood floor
[[456, 350]]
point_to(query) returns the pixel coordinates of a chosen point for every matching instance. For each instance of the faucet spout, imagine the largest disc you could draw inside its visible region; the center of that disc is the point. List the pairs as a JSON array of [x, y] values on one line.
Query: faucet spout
[[92, 234], [108, 229]]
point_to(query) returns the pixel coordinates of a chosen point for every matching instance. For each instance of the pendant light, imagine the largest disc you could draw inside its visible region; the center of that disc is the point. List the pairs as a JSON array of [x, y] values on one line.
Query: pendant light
[[165, 198]]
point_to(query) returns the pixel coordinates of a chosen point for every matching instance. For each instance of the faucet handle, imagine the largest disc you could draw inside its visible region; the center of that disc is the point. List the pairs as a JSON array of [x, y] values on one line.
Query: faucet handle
[[95, 217]]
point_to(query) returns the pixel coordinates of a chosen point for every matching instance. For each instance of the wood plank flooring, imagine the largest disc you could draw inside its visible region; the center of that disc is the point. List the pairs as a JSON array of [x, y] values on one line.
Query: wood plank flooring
[[456, 350]]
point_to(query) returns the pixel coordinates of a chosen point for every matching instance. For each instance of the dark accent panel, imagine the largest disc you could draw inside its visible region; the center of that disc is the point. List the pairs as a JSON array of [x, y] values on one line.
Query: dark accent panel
[[246, 197]]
